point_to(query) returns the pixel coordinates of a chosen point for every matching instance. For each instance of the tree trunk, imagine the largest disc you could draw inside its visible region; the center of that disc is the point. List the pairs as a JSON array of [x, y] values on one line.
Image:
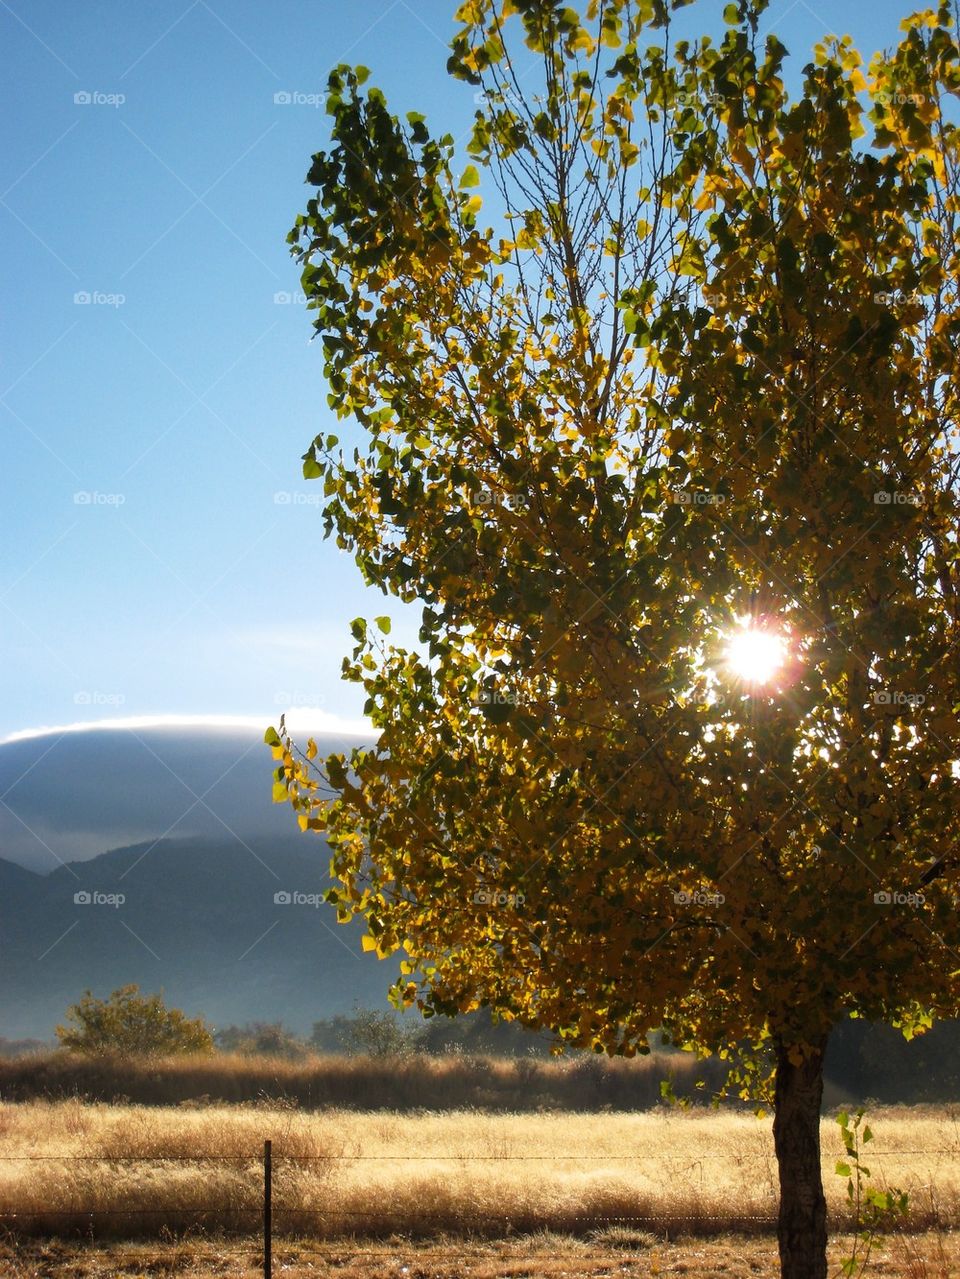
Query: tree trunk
[[802, 1224]]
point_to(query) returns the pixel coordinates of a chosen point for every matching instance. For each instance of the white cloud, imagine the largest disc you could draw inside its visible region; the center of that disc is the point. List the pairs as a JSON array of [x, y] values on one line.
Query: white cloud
[[300, 719]]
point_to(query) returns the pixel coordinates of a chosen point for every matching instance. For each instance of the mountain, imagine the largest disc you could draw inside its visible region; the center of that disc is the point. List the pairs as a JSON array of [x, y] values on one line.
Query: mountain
[[232, 930], [66, 796], [180, 824]]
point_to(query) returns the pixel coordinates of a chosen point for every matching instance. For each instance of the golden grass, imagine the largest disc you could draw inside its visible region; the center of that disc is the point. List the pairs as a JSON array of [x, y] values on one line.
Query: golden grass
[[582, 1082], [121, 1171], [544, 1256]]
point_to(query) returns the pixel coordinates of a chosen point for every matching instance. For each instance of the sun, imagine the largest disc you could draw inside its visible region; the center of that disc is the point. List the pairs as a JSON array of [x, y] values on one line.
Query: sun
[[756, 654]]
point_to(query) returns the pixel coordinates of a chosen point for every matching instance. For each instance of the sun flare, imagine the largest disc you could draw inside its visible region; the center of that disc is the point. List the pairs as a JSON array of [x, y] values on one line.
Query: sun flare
[[755, 654]]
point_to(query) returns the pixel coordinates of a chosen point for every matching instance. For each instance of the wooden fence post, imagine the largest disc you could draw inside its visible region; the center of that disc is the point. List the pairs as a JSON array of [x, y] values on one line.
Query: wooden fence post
[[267, 1210]]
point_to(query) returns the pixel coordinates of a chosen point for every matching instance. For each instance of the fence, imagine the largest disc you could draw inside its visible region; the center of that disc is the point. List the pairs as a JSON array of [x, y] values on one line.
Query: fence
[[261, 1208]]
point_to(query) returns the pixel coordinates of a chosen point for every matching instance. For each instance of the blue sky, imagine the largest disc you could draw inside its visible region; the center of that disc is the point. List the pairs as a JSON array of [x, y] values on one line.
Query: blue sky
[[194, 579]]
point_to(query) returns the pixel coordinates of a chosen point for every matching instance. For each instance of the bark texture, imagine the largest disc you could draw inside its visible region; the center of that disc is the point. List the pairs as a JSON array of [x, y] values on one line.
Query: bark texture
[[802, 1224]]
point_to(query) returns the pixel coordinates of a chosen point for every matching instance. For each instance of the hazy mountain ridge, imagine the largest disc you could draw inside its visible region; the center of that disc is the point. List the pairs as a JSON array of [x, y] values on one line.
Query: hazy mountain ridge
[[199, 919], [69, 796]]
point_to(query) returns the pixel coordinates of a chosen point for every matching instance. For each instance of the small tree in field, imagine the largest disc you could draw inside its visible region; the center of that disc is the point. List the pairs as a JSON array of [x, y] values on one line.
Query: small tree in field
[[378, 1032], [131, 1024], [670, 459]]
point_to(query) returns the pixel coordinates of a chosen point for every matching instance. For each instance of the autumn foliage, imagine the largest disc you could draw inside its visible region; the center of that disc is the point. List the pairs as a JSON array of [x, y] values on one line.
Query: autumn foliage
[[694, 371]]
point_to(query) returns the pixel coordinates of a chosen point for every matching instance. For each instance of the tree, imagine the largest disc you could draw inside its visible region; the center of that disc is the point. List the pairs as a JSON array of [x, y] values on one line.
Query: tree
[[131, 1024], [271, 1039], [378, 1032], [669, 459]]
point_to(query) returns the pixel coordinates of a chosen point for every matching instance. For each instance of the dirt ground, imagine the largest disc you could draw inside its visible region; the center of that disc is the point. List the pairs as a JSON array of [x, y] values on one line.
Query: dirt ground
[[930, 1256]]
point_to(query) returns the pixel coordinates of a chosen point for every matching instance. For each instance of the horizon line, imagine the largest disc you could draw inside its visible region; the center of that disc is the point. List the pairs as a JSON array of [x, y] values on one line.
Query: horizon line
[[299, 718]]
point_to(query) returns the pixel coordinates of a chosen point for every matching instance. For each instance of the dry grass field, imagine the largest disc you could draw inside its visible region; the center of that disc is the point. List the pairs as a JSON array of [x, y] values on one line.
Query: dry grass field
[[130, 1172], [542, 1256], [583, 1082]]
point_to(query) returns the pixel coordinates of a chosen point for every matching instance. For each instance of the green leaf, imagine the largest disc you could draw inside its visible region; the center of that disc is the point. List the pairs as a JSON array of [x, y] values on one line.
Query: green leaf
[[471, 177], [271, 737], [843, 1170], [383, 623], [312, 470]]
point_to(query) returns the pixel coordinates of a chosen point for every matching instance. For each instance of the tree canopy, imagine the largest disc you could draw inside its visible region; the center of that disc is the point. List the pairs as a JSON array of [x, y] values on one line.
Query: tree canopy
[[131, 1024], [694, 376]]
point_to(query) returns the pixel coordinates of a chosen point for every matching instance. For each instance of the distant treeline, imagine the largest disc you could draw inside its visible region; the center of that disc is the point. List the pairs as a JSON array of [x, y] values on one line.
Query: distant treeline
[[865, 1060], [382, 1033], [377, 1059], [412, 1082]]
